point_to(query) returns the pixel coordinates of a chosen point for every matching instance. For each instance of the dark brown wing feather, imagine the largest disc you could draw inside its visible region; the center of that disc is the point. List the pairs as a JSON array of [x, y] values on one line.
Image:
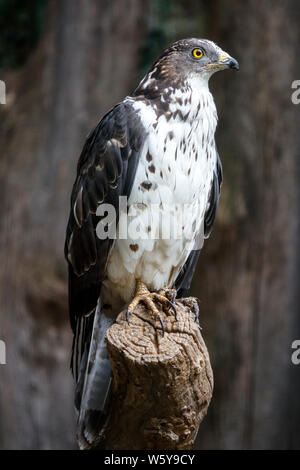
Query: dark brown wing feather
[[106, 170], [213, 199]]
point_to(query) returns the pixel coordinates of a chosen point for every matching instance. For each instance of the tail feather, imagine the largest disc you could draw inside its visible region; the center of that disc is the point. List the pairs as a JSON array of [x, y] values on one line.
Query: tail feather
[[94, 382]]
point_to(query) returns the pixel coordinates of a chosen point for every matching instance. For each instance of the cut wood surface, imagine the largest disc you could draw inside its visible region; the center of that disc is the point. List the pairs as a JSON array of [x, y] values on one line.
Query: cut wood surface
[[162, 385]]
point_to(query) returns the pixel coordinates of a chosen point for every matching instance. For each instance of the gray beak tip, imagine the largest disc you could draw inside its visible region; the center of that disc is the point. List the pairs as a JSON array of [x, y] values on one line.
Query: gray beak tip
[[233, 64]]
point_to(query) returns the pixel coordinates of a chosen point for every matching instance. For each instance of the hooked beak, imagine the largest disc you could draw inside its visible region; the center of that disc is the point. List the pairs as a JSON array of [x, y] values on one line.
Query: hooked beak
[[228, 62]]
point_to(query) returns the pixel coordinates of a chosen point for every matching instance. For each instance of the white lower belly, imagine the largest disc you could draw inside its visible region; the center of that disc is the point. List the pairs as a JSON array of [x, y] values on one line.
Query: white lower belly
[[155, 257]]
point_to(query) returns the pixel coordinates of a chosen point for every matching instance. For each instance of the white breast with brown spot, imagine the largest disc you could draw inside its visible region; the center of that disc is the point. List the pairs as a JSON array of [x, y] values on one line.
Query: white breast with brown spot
[[171, 188]]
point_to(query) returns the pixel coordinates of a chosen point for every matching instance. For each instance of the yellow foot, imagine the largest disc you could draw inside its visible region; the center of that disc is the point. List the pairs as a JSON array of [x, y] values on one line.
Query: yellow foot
[[149, 299], [171, 294]]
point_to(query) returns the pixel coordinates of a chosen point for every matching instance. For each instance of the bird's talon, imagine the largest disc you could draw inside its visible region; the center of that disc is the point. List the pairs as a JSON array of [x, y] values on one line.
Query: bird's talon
[[149, 299], [172, 306], [194, 306], [128, 315], [170, 294], [162, 325]]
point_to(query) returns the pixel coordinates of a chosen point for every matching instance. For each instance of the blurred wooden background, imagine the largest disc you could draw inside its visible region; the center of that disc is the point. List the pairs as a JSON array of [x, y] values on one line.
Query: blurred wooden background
[[65, 63]]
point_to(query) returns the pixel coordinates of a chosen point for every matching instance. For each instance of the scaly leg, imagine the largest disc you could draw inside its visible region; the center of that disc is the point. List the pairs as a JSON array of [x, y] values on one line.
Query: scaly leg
[[143, 295], [171, 294]]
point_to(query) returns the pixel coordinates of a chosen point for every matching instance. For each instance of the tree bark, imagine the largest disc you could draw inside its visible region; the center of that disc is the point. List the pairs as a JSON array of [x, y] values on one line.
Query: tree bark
[[162, 384]]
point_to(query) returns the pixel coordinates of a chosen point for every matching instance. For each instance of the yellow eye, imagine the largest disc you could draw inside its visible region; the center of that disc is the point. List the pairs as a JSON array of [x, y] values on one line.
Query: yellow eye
[[197, 53]]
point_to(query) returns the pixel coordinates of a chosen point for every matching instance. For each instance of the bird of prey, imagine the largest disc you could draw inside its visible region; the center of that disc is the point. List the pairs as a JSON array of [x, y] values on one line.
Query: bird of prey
[[156, 149]]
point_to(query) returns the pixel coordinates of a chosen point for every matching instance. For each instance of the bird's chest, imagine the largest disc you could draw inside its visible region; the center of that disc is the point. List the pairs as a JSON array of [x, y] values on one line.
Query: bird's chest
[[176, 164], [168, 199]]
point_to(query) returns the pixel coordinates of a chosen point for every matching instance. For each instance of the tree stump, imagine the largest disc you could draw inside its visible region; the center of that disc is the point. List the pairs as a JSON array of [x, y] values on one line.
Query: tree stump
[[162, 384]]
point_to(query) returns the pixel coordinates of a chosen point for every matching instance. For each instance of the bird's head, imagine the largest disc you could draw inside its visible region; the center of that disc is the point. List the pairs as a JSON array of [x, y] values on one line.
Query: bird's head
[[196, 57], [186, 59]]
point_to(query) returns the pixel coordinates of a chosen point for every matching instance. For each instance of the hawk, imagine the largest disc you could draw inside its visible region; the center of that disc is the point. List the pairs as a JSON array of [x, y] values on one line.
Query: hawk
[[155, 149]]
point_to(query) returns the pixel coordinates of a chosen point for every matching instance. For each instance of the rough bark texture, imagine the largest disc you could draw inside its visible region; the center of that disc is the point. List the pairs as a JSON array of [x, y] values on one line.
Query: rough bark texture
[[162, 384]]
